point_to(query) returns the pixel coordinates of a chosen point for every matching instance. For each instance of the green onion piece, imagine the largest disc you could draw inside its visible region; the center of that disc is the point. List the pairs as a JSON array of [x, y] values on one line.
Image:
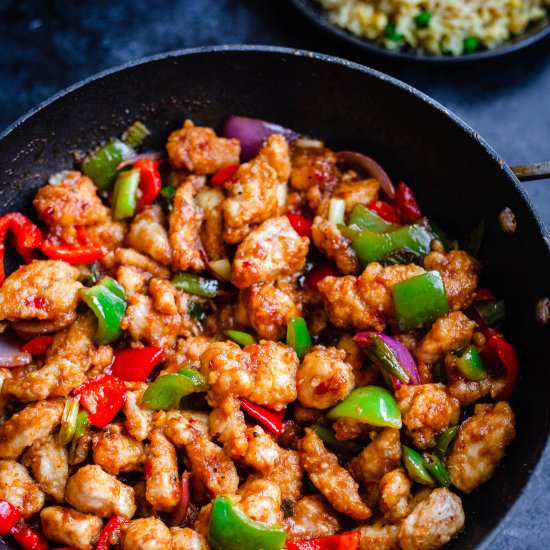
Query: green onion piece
[[470, 44], [444, 441], [336, 211], [167, 391], [492, 312], [81, 427], [422, 19], [383, 356], [168, 192], [197, 312], [344, 449], [124, 196], [363, 217], [437, 469], [401, 256], [194, 284], [242, 338], [135, 135], [222, 268], [298, 337], [414, 464], [471, 365], [88, 273], [391, 33], [101, 164], [68, 421]]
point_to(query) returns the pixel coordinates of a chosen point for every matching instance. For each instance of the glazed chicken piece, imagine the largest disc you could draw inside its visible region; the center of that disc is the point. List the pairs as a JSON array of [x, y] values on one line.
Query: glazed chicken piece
[[91, 490], [357, 192], [187, 539], [32, 424], [427, 410], [69, 527], [395, 494], [117, 452], [333, 481], [262, 453], [328, 239], [460, 276], [261, 501], [132, 258], [433, 522], [380, 535], [49, 463], [448, 333], [287, 473], [364, 302], [275, 152], [197, 149], [187, 352], [71, 201], [139, 420], [379, 457], [311, 517], [110, 234], [148, 234], [20, 489], [228, 426], [146, 534], [480, 445], [271, 251], [324, 378], [211, 233], [181, 427], [42, 290], [184, 226]]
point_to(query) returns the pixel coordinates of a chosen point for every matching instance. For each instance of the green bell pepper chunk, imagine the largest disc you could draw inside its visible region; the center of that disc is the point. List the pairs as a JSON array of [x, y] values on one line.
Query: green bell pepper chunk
[[414, 464], [437, 469], [370, 404], [107, 300], [167, 391], [384, 358], [444, 440], [365, 218], [371, 246], [231, 529], [423, 19], [420, 300], [194, 284], [124, 196], [344, 449], [470, 365], [197, 312], [242, 338], [101, 164], [135, 134], [298, 337], [471, 44]]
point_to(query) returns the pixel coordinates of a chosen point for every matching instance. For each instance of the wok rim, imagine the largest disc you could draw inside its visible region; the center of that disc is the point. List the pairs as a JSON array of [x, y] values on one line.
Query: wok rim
[[506, 519]]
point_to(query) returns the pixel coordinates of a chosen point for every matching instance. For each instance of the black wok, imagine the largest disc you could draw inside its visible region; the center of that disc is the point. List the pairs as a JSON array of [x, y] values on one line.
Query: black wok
[[458, 179]]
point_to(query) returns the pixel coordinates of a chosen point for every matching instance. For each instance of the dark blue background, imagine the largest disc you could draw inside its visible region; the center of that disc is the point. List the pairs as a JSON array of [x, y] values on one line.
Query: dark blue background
[[49, 44]]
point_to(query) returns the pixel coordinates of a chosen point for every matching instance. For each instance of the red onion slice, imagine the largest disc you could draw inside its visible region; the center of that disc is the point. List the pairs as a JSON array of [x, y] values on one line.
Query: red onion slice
[[180, 512], [370, 167], [11, 356], [252, 132]]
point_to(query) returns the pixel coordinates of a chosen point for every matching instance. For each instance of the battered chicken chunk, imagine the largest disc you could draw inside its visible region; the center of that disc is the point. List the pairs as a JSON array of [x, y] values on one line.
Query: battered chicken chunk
[[333, 481], [311, 517], [448, 333], [92, 490], [261, 501], [19, 488], [262, 453], [69, 527], [271, 251], [146, 534], [433, 522], [366, 301], [357, 192], [139, 420], [148, 234], [427, 410], [49, 463], [71, 201], [187, 352], [276, 153], [198, 149], [395, 494], [380, 456], [287, 474], [181, 427], [328, 239], [32, 424], [324, 378], [228, 426], [43, 289], [117, 452], [211, 234], [380, 535], [480, 445], [187, 539], [460, 276]]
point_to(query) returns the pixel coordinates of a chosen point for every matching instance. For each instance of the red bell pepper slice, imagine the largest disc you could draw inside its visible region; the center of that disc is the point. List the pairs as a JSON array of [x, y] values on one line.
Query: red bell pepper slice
[[28, 538], [136, 364], [150, 182], [272, 420], [9, 516], [500, 355], [301, 224], [110, 532], [223, 175], [405, 204], [102, 396], [38, 345], [83, 251], [484, 294], [345, 541], [385, 210], [26, 238], [319, 273]]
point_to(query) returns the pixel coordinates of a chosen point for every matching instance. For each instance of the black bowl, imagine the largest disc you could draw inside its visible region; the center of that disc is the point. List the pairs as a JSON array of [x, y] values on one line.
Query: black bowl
[[316, 15], [457, 177]]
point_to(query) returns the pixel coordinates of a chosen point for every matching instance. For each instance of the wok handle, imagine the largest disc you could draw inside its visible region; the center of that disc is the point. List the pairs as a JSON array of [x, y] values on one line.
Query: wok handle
[[529, 172]]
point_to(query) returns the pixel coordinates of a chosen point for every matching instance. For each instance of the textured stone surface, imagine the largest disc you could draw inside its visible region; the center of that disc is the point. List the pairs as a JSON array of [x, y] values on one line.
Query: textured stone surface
[[47, 45]]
